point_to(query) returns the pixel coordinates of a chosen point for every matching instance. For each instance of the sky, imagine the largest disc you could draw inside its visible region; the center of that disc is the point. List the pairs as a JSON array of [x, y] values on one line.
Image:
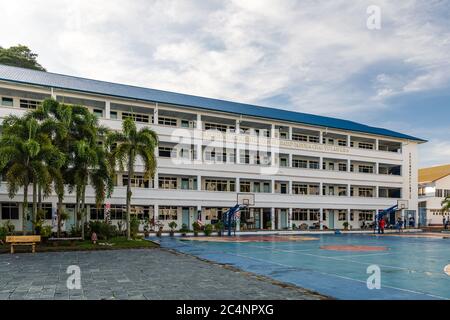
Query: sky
[[321, 57]]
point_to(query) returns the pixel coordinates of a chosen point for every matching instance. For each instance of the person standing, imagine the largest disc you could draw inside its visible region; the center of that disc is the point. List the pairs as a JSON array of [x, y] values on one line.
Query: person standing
[[443, 221], [381, 226]]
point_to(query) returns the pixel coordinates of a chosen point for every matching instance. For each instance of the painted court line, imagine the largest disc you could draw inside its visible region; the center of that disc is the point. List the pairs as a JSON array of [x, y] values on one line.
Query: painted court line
[[342, 277]]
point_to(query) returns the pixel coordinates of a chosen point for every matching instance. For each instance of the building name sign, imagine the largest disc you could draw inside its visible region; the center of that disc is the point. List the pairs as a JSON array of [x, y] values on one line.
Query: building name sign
[[265, 142]]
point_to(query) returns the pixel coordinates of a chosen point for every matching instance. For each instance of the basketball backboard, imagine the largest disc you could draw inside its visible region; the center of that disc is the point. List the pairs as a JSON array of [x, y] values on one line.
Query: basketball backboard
[[246, 199], [402, 204]]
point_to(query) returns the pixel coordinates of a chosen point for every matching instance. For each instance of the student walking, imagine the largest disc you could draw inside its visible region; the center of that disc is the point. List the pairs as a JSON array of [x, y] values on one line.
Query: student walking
[[399, 224]]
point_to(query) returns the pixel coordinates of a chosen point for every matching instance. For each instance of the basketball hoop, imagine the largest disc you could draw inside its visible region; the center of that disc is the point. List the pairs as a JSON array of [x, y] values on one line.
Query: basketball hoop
[[246, 199]]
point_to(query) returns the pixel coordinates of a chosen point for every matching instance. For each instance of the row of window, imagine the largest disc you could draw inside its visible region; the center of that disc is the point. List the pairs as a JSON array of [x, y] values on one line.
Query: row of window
[[442, 193], [314, 215], [212, 155]]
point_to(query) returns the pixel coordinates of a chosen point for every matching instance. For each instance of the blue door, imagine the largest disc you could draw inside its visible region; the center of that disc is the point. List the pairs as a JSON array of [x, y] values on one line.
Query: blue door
[[185, 217]]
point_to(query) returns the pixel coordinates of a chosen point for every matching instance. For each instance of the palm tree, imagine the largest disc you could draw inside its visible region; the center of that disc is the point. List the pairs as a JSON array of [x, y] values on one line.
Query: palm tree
[[90, 163], [26, 153], [131, 144], [55, 121]]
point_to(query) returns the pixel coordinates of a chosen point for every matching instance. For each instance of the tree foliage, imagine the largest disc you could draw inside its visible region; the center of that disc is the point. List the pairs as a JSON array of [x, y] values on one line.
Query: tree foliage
[[20, 56]]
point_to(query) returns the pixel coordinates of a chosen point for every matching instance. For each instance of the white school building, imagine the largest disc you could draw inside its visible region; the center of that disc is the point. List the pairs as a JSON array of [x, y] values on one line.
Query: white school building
[[434, 187], [304, 169]]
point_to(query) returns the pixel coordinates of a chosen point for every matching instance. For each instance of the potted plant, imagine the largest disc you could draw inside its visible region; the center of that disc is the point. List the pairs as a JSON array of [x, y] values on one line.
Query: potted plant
[[160, 229], [208, 229], [146, 228], [219, 227], [46, 232], [184, 229], [269, 224], [345, 224], [196, 227], [172, 226]]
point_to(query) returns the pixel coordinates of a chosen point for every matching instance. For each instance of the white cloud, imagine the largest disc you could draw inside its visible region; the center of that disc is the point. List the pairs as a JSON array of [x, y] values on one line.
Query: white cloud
[[318, 55]]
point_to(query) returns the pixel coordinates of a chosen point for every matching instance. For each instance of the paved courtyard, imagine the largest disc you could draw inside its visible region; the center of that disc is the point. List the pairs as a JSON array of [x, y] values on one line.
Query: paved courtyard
[[132, 274]]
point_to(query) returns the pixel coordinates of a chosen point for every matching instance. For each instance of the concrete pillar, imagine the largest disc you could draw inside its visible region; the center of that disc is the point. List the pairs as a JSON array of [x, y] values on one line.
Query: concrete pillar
[[349, 163], [156, 212], [348, 141], [261, 218], [376, 144], [272, 218], [290, 219], [107, 109], [238, 127], [155, 114], [290, 187], [199, 182], [238, 184], [156, 180], [273, 186], [53, 93], [320, 163], [290, 133], [290, 160], [321, 139], [272, 131], [199, 122], [321, 218]]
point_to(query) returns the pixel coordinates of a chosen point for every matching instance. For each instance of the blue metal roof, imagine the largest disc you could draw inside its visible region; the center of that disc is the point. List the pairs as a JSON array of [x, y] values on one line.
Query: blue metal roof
[[58, 81]]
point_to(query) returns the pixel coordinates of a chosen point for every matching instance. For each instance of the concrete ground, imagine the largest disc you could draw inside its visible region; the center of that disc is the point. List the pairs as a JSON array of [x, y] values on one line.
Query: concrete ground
[[133, 274]]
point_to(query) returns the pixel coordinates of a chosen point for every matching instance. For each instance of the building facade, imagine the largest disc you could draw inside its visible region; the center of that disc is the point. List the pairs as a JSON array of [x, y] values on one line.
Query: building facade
[[303, 169], [434, 187]]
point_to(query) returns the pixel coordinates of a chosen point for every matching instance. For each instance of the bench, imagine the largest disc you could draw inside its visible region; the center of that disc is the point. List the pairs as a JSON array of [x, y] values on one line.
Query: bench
[[23, 241], [71, 240]]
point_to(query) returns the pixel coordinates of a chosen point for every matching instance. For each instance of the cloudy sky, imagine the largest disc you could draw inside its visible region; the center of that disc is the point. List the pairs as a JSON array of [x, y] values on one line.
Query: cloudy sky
[[304, 55]]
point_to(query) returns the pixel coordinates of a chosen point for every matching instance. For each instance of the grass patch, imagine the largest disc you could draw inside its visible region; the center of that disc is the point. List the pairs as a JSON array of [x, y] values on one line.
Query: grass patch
[[111, 244]]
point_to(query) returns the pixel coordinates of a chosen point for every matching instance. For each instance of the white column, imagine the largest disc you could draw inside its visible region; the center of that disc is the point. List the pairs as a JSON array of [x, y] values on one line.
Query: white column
[[199, 182], [290, 187], [272, 131], [321, 218], [290, 133], [273, 185], [199, 122], [272, 218], [156, 213], [375, 170], [321, 137], [156, 180], [238, 184], [108, 109], [290, 219], [53, 93], [376, 144], [348, 218], [320, 163], [348, 140], [349, 163], [237, 126], [261, 218], [155, 114], [321, 188], [156, 176], [290, 160]]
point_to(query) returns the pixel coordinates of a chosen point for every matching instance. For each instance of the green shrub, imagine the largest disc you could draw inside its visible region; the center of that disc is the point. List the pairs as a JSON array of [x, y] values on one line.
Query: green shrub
[[7, 229], [103, 230], [173, 225], [134, 226], [46, 231], [184, 228], [208, 229]]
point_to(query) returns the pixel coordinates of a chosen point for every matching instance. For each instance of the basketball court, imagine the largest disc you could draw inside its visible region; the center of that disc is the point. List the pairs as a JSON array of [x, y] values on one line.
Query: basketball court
[[412, 266], [336, 265]]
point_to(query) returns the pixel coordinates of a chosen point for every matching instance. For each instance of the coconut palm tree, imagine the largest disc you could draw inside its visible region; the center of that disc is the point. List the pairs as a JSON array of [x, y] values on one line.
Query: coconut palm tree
[[133, 144], [55, 120], [90, 163], [26, 154]]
